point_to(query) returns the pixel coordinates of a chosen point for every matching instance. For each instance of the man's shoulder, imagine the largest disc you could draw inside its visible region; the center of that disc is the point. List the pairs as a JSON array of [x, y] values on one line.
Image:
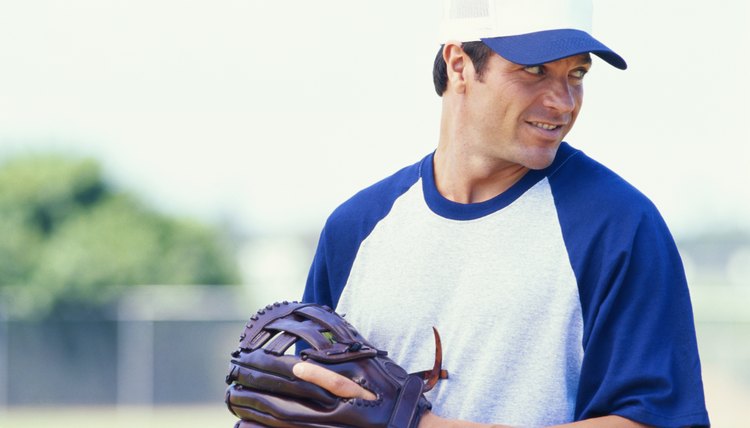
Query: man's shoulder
[[590, 184], [373, 202]]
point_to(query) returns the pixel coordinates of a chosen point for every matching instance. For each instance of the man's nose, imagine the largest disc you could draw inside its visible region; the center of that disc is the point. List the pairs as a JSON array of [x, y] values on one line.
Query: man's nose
[[561, 95]]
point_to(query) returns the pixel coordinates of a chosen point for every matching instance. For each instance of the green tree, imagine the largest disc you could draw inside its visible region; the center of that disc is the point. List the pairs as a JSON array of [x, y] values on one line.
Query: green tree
[[69, 240]]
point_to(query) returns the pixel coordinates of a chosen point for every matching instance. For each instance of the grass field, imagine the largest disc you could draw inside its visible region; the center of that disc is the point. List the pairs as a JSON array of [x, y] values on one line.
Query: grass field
[[131, 417]]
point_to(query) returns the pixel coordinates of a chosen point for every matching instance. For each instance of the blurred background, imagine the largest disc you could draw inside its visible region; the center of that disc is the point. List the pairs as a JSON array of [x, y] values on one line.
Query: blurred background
[[166, 167]]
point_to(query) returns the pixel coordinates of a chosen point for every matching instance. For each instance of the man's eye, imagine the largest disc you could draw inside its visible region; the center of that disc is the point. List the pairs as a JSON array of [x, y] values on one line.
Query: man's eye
[[578, 74], [535, 69]]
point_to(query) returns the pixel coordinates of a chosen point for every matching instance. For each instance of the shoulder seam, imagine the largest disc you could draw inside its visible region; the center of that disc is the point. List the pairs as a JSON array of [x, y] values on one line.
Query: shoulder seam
[[564, 161]]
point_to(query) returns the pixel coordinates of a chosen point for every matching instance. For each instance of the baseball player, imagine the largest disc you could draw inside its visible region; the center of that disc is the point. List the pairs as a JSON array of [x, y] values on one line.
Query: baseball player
[[556, 285]]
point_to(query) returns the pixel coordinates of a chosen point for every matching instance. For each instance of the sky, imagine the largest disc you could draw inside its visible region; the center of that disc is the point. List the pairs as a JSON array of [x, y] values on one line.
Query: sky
[[268, 114]]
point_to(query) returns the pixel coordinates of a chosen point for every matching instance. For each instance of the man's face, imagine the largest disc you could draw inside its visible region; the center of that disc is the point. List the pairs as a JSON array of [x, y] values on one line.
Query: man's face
[[520, 114]]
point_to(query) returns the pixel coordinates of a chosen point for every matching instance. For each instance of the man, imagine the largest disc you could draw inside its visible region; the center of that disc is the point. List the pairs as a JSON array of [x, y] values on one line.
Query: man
[[556, 286]]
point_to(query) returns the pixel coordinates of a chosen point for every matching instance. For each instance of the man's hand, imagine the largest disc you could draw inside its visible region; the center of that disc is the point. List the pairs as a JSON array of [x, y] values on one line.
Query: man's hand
[[331, 381], [346, 388]]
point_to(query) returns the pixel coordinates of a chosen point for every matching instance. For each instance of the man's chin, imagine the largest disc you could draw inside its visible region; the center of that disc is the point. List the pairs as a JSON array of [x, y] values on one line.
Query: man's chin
[[540, 158]]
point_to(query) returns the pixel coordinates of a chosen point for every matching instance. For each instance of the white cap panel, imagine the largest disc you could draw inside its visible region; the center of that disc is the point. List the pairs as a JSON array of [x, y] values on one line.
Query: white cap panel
[[471, 20]]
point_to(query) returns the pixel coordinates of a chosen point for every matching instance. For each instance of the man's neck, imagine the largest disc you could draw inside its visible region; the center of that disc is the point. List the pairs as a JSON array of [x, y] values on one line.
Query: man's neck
[[465, 177]]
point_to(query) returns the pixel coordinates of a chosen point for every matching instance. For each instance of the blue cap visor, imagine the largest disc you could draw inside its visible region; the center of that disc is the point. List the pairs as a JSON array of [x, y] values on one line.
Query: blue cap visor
[[546, 46]]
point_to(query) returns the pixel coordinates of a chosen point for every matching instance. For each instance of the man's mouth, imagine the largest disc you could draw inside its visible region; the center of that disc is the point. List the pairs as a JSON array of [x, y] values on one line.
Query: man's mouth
[[546, 126]]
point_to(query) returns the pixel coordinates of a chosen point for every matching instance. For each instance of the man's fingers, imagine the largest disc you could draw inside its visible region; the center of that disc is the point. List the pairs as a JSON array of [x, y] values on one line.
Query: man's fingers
[[331, 381]]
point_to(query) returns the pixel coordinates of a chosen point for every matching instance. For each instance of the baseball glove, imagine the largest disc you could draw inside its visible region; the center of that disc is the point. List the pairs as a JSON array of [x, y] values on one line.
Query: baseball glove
[[263, 391]]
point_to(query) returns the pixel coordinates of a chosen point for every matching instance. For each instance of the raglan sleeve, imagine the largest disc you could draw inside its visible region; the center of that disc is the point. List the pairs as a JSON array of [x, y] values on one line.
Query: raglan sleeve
[[345, 229], [318, 285], [334, 256], [640, 351]]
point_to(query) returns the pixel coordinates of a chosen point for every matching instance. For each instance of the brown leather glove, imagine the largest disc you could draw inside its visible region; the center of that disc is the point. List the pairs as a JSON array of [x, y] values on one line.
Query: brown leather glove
[[263, 391]]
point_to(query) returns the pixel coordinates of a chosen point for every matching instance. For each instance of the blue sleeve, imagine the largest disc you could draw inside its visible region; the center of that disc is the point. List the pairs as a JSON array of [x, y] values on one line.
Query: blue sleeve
[[640, 352], [318, 287], [345, 230]]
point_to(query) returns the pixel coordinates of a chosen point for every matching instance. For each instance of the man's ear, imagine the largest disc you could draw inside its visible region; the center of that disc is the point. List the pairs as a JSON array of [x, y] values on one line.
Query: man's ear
[[456, 62]]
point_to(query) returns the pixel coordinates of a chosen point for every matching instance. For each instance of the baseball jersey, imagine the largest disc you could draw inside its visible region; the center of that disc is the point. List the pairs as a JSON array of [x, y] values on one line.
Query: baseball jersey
[[561, 299]]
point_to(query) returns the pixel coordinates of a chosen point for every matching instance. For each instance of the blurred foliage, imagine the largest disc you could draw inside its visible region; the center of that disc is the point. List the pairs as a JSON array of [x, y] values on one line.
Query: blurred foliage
[[70, 242]]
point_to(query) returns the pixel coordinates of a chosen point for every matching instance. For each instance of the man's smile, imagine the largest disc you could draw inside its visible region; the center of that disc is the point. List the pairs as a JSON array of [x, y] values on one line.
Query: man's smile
[[544, 125]]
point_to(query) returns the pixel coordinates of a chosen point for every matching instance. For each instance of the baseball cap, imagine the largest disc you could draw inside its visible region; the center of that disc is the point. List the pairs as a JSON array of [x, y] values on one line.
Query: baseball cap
[[526, 32]]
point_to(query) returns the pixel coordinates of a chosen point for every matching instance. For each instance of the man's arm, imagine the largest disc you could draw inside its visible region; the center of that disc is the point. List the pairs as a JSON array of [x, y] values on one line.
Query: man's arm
[[341, 386]]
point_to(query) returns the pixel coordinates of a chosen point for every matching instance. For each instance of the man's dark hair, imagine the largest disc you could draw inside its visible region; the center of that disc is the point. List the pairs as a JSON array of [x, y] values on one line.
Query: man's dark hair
[[478, 52]]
